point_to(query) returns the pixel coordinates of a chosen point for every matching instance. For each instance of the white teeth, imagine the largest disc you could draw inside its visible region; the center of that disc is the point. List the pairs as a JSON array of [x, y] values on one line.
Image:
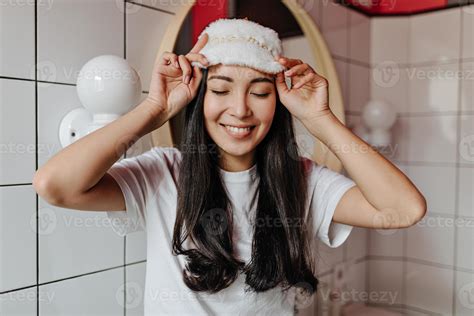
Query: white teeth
[[238, 130]]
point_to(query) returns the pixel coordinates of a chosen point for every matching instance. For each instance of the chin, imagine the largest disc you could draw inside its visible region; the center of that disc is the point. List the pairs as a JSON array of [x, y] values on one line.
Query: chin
[[236, 150]]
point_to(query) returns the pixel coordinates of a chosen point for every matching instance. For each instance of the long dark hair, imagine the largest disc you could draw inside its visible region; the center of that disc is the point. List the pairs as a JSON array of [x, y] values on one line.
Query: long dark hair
[[281, 254]]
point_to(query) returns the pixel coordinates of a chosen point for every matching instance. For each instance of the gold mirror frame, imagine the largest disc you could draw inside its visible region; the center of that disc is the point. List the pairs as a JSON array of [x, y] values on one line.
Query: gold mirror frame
[[325, 67]]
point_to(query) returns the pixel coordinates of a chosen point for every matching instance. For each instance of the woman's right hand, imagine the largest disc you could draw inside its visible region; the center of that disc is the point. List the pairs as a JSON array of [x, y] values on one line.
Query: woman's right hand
[[174, 81]]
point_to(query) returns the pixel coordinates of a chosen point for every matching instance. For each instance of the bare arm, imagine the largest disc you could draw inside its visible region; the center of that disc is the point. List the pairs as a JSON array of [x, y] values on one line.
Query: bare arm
[[80, 166], [384, 197]]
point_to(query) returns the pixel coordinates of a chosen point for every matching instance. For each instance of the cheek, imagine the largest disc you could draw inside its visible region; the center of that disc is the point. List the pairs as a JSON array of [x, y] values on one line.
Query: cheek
[[211, 109], [265, 111]]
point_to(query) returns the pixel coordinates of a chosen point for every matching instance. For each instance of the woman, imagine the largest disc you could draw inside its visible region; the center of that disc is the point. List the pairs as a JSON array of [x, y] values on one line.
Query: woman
[[231, 217]]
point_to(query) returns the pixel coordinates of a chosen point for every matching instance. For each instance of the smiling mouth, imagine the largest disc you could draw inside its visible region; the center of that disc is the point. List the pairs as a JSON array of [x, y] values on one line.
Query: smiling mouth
[[238, 131]]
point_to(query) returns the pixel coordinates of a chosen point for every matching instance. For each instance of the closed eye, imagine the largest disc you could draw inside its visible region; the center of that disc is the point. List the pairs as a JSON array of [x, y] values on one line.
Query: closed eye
[[263, 95]]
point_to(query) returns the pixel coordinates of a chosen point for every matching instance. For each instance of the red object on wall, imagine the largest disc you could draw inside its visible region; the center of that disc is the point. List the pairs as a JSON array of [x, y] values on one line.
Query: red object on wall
[[397, 6], [204, 12]]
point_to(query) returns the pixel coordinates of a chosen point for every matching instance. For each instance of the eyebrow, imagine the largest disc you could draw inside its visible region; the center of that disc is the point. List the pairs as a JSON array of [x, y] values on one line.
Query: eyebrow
[[259, 79]]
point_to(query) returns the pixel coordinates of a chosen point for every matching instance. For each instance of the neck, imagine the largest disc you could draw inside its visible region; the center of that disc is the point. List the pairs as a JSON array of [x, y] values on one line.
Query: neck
[[232, 163]]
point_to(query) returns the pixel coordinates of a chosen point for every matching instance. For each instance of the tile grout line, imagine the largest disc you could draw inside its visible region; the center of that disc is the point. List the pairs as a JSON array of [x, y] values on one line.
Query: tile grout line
[[457, 171], [36, 155], [404, 287], [71, 277]]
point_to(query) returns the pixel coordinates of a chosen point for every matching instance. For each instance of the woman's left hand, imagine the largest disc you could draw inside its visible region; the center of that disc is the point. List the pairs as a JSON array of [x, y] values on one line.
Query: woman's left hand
[[308, 96]]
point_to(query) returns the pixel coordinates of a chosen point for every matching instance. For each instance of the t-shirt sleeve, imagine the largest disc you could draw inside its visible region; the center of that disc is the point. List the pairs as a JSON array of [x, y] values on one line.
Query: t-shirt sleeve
[[137, 177], [326, 189]]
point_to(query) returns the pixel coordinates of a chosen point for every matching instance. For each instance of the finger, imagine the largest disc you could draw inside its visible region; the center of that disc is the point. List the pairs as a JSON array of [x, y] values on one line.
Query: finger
[[186, 67], [305, 79], [300, 69], [289, 62], [197, 57], [200, 43], [196, 79], [280, 83], [169, 58]]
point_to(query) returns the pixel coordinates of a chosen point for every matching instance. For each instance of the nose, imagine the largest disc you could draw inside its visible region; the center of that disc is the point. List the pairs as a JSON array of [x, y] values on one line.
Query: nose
[[240, 108]]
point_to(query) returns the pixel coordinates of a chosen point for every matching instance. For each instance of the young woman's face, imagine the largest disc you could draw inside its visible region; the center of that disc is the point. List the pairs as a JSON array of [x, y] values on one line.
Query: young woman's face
[[238, 96]]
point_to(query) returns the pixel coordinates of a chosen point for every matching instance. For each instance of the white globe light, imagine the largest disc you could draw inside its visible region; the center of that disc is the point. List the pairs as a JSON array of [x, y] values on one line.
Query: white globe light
[[379, 117], [107, 85]]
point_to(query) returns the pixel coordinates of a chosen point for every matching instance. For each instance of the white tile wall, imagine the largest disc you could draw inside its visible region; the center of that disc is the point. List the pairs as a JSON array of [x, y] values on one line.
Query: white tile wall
[[135, 289], [420, 58], [17, 121], [386, 242], [433, 88], [465, 240], [432, 138], [18, 259], [145, 28], [440, 194], [429, 288], [73, 243], [70, 34], [465, 196], [463, 293], [392, 36], [439, 31], [359, 89], [467, 84], [93, 294], [72, 247], [466, 142], [359, 37], [385, 281], [389, 81], [468, 28], [356, 247], [432, 240], [334, 28], [19, 303], [17, 55], [327, 257]]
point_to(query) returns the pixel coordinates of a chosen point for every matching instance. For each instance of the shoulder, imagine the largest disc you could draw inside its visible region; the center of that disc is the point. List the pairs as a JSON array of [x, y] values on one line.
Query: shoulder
[[311, 168], [165, 157], [170, 154]]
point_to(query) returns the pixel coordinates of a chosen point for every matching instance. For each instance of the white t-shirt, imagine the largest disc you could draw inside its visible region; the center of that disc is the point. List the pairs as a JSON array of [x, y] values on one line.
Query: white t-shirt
[[149, 185]]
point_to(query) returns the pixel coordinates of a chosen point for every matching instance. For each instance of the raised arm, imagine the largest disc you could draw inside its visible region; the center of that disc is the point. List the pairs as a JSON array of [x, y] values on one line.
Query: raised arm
[[79, 167]]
